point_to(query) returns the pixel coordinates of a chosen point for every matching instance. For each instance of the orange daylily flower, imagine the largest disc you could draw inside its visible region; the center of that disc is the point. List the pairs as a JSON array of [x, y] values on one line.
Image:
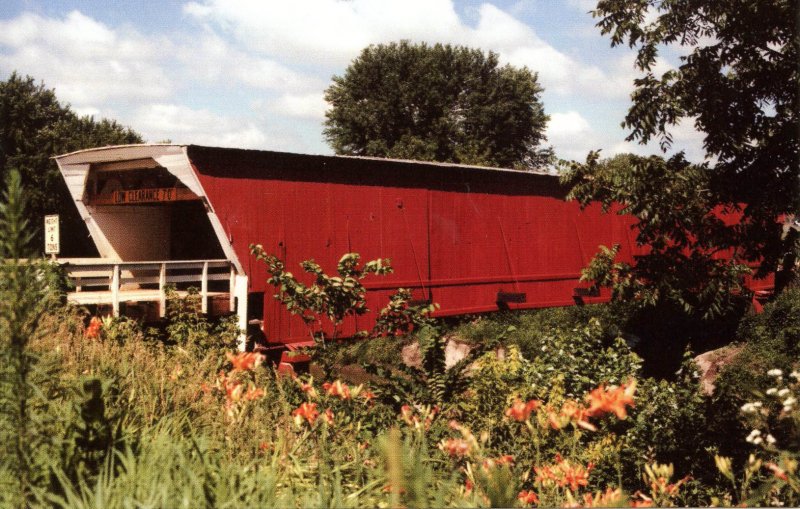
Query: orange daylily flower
[[520, 411], [307, 411], [544, 475], [577, 414], [254, 393], [233, 391], [245, 361], [412, 419], [388, 488], [93, 330], [455, 447], [490, 463], [613, 400], [328, 416], [609, 498], [337, 389], [576, 476], [468, 486], [571, 411], [563, 474], [777, 471], [528, 497], [643, 501], [308, 388]]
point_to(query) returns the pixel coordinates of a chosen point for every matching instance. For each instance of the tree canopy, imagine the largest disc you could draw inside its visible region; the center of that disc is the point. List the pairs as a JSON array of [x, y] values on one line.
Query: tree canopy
[[738, 82], [34, 127], [437, 103]]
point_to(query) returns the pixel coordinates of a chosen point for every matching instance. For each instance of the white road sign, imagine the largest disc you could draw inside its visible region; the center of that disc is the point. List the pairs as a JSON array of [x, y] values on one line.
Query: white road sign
[[52, 239]]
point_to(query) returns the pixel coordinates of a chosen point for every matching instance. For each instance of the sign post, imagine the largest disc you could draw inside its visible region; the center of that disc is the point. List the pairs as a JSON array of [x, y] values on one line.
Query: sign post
[[52, 238]]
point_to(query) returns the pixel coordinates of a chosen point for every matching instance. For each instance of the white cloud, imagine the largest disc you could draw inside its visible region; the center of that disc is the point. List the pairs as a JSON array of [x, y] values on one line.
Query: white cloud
[[211, 59], [584, 5], [182, 124], [519, 45], [86, 61], [277, 57], [330, 33], [312, 106], [566, 124], [570, 134]]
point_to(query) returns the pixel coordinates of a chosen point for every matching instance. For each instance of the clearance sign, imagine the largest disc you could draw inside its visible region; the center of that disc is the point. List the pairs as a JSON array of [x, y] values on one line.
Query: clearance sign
[[145, 195], [155, 195]]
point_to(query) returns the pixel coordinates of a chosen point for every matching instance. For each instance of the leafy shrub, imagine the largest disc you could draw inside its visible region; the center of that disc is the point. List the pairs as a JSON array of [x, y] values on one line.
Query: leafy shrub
[[188, 327], [771, 341]]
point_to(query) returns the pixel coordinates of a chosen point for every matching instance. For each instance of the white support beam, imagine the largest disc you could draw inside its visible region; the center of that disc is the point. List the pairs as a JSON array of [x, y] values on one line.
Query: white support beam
[[231, 285], [115, 290], [204, 289], [240, 290], [162, 290]]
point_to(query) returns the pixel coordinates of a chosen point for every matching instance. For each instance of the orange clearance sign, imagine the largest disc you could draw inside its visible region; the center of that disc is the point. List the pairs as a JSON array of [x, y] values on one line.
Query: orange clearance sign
[[155, 195]]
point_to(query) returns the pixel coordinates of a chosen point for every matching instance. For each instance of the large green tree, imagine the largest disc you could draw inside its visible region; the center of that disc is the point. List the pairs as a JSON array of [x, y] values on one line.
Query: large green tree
[[738, 80], [437, 103], [34, 127]]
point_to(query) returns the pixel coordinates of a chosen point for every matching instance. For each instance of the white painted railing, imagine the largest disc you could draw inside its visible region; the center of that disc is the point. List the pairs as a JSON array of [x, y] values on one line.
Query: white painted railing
[[108, 282]]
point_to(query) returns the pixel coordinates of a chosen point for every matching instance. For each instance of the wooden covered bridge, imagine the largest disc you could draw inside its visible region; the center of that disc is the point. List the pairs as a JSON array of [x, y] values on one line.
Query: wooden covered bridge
[[472, 239]]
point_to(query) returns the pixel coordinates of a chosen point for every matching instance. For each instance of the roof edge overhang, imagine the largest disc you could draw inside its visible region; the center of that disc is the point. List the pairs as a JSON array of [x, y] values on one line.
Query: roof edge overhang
[[75, 167]]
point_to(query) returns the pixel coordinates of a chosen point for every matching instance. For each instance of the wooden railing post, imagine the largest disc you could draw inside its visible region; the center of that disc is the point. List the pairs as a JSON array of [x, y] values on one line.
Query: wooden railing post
[[162, 291], [231, 286], [204, 289], [115, 290]]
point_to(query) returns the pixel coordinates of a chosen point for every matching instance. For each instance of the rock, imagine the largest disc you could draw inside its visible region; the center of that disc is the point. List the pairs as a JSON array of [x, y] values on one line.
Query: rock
[[711, 363], [411, 355], [454, 351]]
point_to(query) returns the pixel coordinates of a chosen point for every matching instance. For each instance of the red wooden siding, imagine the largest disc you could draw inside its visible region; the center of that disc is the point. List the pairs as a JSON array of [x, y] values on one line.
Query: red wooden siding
[[455, 234]]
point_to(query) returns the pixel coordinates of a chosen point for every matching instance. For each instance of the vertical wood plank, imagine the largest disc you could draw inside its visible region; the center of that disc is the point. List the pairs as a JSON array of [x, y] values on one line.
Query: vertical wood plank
[[162, 291], [115, 290], [231, 286], [204, 289]]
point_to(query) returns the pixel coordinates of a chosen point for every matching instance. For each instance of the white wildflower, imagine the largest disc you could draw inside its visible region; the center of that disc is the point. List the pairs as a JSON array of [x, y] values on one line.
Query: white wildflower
[[775, 372], [772, 391], [749, 408], [770, 439], [783, 392], [753, 436], [790, 401], [795, 375]]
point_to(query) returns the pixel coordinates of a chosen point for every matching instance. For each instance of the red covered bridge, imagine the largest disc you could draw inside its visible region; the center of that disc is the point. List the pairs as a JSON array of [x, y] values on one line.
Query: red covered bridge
[[472, 239]]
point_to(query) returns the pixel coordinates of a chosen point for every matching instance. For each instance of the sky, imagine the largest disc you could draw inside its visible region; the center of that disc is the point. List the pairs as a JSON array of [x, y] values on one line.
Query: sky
[[252, 73]]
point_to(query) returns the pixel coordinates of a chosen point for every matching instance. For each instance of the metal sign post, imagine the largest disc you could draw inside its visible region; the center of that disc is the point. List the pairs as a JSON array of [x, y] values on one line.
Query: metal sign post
[[52, 238]]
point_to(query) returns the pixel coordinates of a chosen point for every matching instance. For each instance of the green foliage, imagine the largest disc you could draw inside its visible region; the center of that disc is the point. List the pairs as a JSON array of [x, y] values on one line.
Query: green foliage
[[333, 298], [771, 341], [432, 383], [92, 434], [25, 297], [737, 81], [401, 317], [188, 327], [678, 224], [437, 103], [671, 426], [34, 127]]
